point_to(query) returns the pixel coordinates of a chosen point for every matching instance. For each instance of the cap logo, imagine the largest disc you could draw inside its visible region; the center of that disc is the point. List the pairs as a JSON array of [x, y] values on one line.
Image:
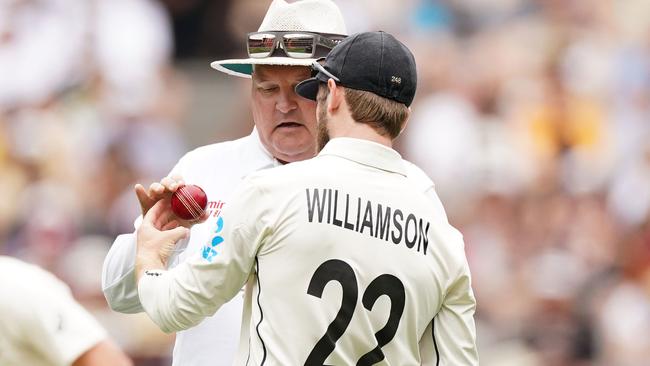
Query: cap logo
[[396, 80]]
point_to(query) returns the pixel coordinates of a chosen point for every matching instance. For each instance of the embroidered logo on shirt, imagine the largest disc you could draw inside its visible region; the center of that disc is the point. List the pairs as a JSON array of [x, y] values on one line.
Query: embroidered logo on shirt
[[208, 252]]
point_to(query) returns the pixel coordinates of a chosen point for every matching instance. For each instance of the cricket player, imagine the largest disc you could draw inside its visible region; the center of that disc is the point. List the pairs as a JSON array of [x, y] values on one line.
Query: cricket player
[[42, 325], [346, 261], [285, 132]]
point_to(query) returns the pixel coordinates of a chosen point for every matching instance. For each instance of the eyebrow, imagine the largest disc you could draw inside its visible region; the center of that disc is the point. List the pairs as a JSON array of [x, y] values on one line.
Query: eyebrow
[[261, 76]]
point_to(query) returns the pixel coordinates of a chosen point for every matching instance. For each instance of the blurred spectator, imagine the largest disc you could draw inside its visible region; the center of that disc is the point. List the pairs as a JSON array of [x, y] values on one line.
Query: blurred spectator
[[622, 316], [201, 27], [132, 46], [42, 44]]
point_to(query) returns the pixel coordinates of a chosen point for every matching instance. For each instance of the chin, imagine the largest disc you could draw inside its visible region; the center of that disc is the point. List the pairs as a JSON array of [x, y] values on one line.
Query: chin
[[292, 139], [295, 151]]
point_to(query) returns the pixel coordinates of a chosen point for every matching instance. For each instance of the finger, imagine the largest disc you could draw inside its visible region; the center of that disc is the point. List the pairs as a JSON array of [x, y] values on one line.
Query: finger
[[186, 223], [178, 178], [154, 213], [169, 184], [139, 188], [142, 195], [158, 192], [164, 217], [170, 225], [156, 189]]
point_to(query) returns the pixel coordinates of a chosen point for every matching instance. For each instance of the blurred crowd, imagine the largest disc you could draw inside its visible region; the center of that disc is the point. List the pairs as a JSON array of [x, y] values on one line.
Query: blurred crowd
[[532, 117]]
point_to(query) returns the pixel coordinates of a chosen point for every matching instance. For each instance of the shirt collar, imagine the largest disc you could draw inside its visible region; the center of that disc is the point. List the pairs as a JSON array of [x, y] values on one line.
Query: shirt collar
[[365, 152], [257, 157], [264, 154]]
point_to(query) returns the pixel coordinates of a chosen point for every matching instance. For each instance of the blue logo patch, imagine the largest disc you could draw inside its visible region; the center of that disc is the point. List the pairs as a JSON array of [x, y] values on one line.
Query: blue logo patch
[[209, 252], [219, 225], [216, 241]]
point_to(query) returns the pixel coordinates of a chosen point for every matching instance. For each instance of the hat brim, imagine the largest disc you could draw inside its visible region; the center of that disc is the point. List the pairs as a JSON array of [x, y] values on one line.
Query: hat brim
[[244, 67], [308, 88]]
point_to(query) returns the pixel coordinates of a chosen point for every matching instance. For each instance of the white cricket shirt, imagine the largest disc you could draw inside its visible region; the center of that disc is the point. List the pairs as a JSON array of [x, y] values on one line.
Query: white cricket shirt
[[349, 263], [218, 168], [41, 323]]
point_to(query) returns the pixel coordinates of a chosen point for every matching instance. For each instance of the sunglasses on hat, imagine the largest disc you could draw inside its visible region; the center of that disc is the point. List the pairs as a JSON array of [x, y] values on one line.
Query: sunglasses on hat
[[317, 67], [294, 44]]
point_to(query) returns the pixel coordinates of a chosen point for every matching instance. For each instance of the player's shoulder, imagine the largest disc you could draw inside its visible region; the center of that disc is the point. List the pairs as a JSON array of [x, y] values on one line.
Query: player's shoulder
[[18, 268], [417, 176], [450, 241], [42, 284]]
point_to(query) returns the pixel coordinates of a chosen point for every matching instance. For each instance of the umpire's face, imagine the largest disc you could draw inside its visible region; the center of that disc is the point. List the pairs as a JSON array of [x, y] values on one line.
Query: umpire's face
[[285, 121]]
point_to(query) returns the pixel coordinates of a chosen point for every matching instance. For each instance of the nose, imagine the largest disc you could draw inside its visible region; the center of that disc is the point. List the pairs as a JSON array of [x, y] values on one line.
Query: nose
[[286, 101]]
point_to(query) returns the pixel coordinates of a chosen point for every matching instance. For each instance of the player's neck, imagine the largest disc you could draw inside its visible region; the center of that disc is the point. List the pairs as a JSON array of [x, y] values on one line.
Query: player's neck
[[346, 127]]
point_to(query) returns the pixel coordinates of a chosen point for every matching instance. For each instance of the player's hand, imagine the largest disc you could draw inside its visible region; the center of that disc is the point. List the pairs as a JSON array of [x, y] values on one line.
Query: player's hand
[[157, 191], [157, 236]]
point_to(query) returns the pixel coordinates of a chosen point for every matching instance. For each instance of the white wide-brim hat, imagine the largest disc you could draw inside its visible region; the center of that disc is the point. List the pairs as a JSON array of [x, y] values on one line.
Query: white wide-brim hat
[[315, 16]]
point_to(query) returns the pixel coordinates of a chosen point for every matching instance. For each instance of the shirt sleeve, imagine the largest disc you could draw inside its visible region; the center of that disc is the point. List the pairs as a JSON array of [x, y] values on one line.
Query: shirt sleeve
[[183, 296], [450, 338], [118, 276]]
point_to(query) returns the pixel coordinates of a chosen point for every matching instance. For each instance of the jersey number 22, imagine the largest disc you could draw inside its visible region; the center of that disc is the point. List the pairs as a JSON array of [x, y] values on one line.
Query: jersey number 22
[[385, 284]]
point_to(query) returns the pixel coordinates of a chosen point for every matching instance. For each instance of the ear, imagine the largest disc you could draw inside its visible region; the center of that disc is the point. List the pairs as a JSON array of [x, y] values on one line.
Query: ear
[[335, 96]]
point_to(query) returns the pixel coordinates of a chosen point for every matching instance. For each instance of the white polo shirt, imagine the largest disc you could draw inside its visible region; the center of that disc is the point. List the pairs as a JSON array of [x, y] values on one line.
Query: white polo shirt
[[349, 263], [41, 324]]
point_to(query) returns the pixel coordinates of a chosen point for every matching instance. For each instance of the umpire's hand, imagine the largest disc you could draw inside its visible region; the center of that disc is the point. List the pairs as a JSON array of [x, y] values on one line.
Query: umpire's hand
[[157, 191], [157, 236]]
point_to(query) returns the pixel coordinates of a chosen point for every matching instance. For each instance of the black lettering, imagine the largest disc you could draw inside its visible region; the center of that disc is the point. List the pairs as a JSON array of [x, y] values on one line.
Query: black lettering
[[367, 218], [346, 224], [424, 236], [388, 224], [356, 228], [398, 226], [329, 206], [336, 221], [410, 243], [317, 203], [383, 223]]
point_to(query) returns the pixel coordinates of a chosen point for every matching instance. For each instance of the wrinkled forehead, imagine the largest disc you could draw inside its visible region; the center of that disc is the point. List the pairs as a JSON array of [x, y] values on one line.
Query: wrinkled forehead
[[281, 72]]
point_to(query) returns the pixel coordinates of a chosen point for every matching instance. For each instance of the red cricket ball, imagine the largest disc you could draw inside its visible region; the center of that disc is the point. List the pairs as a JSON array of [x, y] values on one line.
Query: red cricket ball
[[189, 202]]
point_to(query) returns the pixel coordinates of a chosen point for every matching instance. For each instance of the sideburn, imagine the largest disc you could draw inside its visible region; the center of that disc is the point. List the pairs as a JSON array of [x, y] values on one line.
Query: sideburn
[[323, 131]]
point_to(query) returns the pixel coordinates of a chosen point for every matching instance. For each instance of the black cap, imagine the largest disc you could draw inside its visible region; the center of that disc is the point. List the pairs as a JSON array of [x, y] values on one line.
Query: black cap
[[371, 61]]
